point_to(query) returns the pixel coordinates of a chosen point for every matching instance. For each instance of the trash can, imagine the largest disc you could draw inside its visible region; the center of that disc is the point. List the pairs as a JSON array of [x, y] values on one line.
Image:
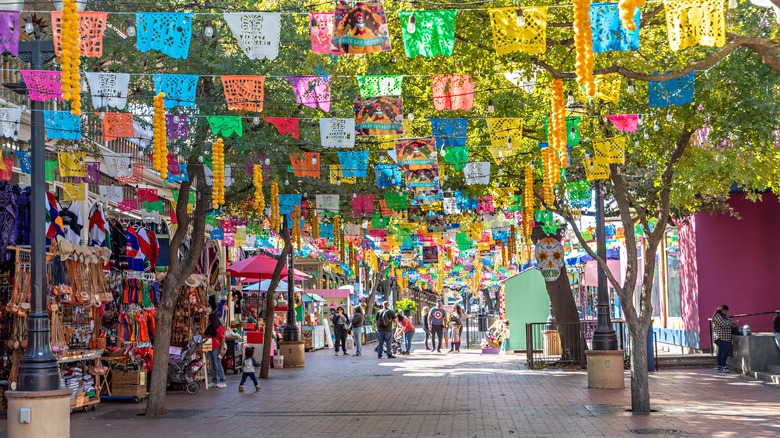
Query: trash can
[[482, 321]]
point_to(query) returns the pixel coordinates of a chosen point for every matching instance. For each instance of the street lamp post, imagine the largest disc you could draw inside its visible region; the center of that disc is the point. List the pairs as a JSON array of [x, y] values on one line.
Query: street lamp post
[[290, 332], [604, 338], [38, 369]]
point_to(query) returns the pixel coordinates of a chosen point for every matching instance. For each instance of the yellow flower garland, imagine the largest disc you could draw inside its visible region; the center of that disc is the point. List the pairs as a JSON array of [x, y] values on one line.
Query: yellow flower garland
[[159, 140], [315, 222], [257, 176], [70, 56], [558, 124], [583, 42], [528, 203], [275, 206], [627, 8], [218, 169]]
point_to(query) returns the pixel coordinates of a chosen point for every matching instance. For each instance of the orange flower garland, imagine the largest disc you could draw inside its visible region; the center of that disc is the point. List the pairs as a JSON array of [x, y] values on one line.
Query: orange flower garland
[[528, 202], [583, 42], [558, 124], [627, 8], [315, 223], [257, 176], [70, 56], [275, 206], [548, 173], [159, 140], [218, 165]]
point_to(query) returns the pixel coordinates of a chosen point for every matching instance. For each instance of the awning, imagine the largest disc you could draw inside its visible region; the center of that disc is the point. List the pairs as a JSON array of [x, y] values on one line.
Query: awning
[[308, 297], [331, 293]]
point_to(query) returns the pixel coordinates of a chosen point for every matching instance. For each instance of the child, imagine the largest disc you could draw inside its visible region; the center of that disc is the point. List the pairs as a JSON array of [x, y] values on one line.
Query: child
[[249, 369]]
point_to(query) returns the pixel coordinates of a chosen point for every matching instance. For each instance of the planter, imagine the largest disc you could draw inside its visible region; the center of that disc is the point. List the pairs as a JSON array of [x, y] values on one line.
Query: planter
[[407, 313], [490, 350]]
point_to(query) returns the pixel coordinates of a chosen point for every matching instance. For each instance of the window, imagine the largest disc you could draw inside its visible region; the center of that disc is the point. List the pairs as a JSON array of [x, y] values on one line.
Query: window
[[673, 295]]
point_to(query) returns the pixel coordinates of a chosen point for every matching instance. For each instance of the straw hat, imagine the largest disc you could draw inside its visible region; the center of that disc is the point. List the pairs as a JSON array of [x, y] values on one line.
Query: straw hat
[[192, 281], [66, 248], [105, 254]]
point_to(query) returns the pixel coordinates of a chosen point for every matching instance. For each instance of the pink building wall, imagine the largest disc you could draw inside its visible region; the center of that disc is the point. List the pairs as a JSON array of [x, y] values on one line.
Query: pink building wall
[[727, 260]]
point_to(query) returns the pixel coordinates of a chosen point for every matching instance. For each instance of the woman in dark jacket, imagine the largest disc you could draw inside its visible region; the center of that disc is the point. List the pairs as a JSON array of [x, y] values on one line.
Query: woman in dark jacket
[[358, 320], [340, 328]]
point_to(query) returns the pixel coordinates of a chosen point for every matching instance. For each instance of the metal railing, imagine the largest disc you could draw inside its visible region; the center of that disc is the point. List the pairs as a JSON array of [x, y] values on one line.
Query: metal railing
[[740, 315], [565, 343], [474, 330]]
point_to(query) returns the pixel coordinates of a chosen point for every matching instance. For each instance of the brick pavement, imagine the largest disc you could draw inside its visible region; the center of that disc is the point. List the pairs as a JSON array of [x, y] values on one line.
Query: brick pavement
[[439, 395]]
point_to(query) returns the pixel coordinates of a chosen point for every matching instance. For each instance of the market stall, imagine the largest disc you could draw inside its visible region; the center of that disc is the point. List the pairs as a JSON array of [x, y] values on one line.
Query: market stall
[[312, 331]]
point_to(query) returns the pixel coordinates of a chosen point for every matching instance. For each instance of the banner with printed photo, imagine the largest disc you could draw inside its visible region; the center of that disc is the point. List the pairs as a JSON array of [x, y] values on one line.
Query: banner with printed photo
[[360, 27], [383, 115], [416, 154], [423, 179]]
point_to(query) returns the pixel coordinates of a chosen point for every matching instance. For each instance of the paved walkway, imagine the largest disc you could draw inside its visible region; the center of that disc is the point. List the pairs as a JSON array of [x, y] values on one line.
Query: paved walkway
[[444, 395]]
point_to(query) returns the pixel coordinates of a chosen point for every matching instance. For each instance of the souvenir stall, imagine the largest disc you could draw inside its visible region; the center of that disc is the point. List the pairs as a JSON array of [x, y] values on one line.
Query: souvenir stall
[[312, 331]]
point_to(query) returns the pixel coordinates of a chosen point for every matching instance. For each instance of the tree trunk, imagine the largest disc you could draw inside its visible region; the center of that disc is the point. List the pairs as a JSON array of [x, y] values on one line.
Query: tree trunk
[[265, 362], [488, 299], [640, 386], [372, 293], [162, 342]]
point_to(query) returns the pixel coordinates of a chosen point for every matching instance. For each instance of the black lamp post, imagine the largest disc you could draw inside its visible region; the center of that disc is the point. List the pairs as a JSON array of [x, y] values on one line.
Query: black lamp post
[[290, 332], [38, 369], [604, 338]]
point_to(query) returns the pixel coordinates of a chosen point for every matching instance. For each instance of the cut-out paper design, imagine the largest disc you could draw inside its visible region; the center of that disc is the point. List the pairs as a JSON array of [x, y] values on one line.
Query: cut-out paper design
[[579, 193], [147, 195], [179, 89], [379, 222], [485, 204], [72, 163], [168, 32], [337, 133], [385, 211], [117, 165], [25, 163], [388, 175], [379, 116], [285, 125], [244, 92], [108, 89], [595, 171], [7, 172], [43, 84], [360, 27], [117, 125], [92, 27], [92, 175], [312, 91], [624, 122], [452, 92], [450, 206], [416, 154], [9, 32], [287, 203], [609, 150], [182, 176], [337, 176], [572, 130], [321, 29], [51, 170], [510, 37], [449, 132], [691, 22], [153, 206], [506, 135], [226, 125], [9, 121], [73, 191], [176, 126], [111, 194], [477, 173], [327, 204], [395, 201], [362, 205], [257, 33], [216, 234], [306, 164], [608, 30], [433, 32], [380, 85], [672, 92], [62, 124], [524, 80], [354, 164], [607, 88], [457, 156]]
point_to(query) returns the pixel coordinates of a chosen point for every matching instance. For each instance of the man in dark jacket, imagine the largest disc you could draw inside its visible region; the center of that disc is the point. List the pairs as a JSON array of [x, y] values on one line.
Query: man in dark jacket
[[384, 327]]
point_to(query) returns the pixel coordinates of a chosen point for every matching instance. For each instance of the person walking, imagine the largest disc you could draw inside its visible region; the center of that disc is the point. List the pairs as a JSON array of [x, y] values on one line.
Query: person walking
[[384, 327], [358, 319], [426, 327], [456, 328], [406, 327], [249, 369], [216, 331], [340, 329], [436, 321], [721, 332]]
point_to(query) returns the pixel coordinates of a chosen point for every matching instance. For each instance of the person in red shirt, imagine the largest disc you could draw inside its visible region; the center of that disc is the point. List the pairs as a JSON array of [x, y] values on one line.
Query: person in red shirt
[[405, 325], [216, 331]]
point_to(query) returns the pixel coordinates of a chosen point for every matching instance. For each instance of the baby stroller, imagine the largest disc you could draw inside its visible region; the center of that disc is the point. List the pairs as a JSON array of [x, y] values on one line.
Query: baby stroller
[[182, 370], [397, 346]]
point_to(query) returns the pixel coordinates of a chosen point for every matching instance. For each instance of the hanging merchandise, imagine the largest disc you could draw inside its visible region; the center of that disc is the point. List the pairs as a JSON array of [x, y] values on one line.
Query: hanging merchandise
[[62, 125], [506, 136], [218, 167], [477, 173], [72, 163], [595, 170], [179, 89], [428, 33], [452, 92], [275, 220], [629, 9], [312, 91], [519, 29], [226, 126], [9, 32], [284, 125], [383, 115], [609, 30], [54, 225], [691, 22], [353, 164], [380, 85], [528, 203], [337, 133], [306, 164], [244, 93], [583, 42], [70, 57], [108, 89], [10, 118], [160, 138], [117, 125], [609, 150], [257, 177], [624, 122], [42, 84], [90, 29], [321, 30], [677, 91], [360, 27], [388, 175], [257, 33], [168, 32]]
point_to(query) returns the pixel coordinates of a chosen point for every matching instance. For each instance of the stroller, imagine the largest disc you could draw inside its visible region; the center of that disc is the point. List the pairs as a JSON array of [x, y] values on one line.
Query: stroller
[[397, 345], [182, 370]]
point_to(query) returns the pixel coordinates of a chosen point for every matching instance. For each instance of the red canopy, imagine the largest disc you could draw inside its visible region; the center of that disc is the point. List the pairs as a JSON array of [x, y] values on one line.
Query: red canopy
[[261, 267]]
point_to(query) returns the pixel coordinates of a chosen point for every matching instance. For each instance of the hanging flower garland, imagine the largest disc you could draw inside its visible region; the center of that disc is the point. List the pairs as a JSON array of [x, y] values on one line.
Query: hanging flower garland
[[257, 176], [528, 202], [159, 140], [512, 241], [558, 123], [627, 9], [275, 206], [296, 227], [336, 239], [548, 174], [70, 56], [218, 164], [583, 42], [342, 247], [315, 222]]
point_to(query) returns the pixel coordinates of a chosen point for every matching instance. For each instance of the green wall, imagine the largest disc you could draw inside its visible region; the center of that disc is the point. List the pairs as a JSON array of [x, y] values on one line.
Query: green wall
[[526, 301]]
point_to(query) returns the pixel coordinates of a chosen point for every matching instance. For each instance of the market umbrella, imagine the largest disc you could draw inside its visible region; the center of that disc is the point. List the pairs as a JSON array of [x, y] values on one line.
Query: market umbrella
[[265, 284], [260, 267]]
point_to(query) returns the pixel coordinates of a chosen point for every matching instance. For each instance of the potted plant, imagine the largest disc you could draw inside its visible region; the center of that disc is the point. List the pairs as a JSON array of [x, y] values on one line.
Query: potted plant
[[407, 306]]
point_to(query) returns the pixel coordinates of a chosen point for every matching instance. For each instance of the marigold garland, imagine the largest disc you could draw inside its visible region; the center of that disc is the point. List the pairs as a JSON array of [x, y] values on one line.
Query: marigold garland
[[583, 42], [257, 177], [315, 222], [512, 241], [558, 124], [627, 8], [275, 206], [218, 165], [159, 138], [70, 56], [336, 239], [296, 227], [528, 202]]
